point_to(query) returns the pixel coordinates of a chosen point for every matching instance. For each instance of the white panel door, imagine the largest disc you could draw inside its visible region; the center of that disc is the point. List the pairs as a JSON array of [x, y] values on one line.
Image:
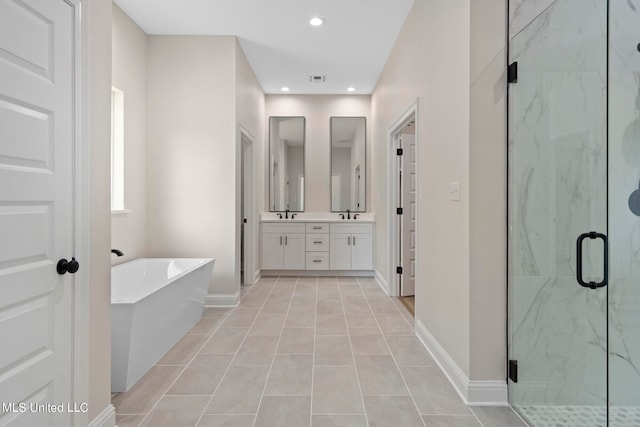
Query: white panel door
[[36, 209], [272, 251], [362, 252], [340, 251], [294, 251], [409, 183]]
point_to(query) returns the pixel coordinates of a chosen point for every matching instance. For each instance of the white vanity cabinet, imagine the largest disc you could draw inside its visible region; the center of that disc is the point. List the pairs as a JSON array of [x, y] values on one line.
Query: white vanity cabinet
[[351, 246], [283, 246]]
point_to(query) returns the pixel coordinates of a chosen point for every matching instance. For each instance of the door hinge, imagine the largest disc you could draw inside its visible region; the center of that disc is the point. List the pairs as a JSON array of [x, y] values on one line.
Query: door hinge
[[513, 370], [399, 270], [512, 72], [399, 211], [399, 151]]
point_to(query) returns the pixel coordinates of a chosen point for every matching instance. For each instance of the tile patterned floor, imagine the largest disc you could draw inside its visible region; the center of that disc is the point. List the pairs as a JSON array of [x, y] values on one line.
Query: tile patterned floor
[[320, 352]]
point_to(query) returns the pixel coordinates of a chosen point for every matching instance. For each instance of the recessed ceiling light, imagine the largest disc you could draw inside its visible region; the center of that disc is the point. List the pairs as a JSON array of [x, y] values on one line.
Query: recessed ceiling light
[[351, 89], [316, 21], [284, 89]]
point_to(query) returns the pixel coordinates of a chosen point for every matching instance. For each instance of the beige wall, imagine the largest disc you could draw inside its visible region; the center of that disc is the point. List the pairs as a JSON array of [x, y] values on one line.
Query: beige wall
[[129, 69], [438, 76], [193, 151], [318, 110], [250, 112], [457, 77], [99, 116], [488, 191]]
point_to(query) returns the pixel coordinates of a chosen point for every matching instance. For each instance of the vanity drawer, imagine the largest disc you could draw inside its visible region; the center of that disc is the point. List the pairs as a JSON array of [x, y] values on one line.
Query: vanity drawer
[[350, 227], [278, 227], [317, 260], [317, 242], [317, 227]]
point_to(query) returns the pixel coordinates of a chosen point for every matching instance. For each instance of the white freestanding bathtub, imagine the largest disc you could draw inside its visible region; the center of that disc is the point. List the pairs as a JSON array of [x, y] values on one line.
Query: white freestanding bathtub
[[154, 302]]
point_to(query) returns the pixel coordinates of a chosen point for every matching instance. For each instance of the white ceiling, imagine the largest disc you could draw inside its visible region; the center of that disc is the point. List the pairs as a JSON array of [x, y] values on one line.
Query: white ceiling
[[350, 49]]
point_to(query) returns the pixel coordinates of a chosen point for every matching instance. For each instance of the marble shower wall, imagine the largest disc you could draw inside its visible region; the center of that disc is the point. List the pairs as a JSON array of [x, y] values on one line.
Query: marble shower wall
[[624, 226], [557, 153]]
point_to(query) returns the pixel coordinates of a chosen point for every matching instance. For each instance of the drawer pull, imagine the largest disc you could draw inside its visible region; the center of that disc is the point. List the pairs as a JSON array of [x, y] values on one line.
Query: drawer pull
[[317, 243], [317, 261], [317, 228]]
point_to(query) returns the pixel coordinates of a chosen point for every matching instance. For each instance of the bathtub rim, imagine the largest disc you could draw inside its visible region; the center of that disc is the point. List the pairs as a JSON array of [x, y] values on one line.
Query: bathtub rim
[[203, 262]]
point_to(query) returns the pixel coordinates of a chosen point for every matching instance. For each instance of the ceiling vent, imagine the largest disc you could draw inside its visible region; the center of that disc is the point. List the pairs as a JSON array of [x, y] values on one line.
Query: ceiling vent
[[317, 79]]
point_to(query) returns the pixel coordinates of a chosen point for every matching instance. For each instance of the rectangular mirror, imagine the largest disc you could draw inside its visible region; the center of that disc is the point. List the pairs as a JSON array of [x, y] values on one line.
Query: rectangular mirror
[[348, 164], [286, 164]]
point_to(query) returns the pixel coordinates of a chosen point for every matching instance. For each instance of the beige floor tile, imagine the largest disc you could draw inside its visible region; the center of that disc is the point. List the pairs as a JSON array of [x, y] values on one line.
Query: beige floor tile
[[240, 390], [241, 318], [379, 376], [253, 300], [385, 411], [499, 416], [174, 411], [261, 288], [432, 391], [330, 324], [147, 391], [338, 421], [304, 302], [207, 323], [336, 391], [202, 375], [276, 306], [409, 351], [226, 421], [451, 421], [225, 340], [290, 375], [323, 280], [328, 290], [129, 420], [268, 324], [333, 350], [183, 351], [256, 350], [393, 324], [296, 341], [360, 318], [329, 305], [367, 341], [216, 310], [351, 290], [300, 318], [384, 306], [355, 302], [347, 280], [284, 411]]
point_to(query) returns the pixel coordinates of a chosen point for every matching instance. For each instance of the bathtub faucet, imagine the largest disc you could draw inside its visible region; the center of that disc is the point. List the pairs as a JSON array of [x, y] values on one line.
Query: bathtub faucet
[[117, 252]]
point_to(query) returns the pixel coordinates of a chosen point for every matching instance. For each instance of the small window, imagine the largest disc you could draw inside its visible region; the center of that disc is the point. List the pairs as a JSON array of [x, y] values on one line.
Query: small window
[[117, 150]]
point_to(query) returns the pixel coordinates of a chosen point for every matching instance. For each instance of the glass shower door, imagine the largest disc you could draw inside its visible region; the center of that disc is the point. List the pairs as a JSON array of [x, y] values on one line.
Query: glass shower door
[[557, 196]]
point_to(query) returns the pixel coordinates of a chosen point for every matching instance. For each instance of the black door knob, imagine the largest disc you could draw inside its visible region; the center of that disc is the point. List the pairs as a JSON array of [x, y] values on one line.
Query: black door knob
[[65, 266]]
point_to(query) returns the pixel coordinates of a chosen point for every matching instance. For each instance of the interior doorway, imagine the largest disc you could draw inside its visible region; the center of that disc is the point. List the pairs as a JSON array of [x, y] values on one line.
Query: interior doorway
[[404, 207], [246, 209]]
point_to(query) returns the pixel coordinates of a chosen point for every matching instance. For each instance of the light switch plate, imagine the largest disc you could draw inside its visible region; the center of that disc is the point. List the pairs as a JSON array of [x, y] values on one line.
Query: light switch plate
[[454, 191]]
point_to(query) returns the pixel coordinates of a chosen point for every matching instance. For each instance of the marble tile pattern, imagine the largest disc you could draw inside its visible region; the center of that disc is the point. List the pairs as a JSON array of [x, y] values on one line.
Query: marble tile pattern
[[561, 174], [558, 190], [329, 357]]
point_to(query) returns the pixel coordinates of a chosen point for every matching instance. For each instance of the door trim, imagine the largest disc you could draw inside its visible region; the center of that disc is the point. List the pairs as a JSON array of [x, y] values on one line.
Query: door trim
[[393, 288], [249, 205], [80, 369]]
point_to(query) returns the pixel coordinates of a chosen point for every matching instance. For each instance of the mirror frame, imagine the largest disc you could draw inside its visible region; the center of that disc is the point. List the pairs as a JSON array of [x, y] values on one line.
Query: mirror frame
[[364, 118], [304, 161]]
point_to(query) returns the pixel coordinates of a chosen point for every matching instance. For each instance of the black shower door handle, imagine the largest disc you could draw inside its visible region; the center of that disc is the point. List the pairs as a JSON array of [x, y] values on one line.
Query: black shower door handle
[[592, 235]]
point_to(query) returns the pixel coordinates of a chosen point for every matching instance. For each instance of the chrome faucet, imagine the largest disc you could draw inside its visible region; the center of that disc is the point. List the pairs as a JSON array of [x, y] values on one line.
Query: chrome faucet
[[287, 214], [348, 214], [117, 252]]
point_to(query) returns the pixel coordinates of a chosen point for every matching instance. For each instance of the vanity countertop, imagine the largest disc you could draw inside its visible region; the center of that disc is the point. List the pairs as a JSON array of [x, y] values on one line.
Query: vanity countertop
[[305, 217]]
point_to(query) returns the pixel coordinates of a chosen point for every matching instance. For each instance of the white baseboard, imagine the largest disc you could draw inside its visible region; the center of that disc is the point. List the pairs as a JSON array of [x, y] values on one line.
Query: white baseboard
[[382, 282], [481, 393], [222, 300], [256, 276], [106, 418]]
